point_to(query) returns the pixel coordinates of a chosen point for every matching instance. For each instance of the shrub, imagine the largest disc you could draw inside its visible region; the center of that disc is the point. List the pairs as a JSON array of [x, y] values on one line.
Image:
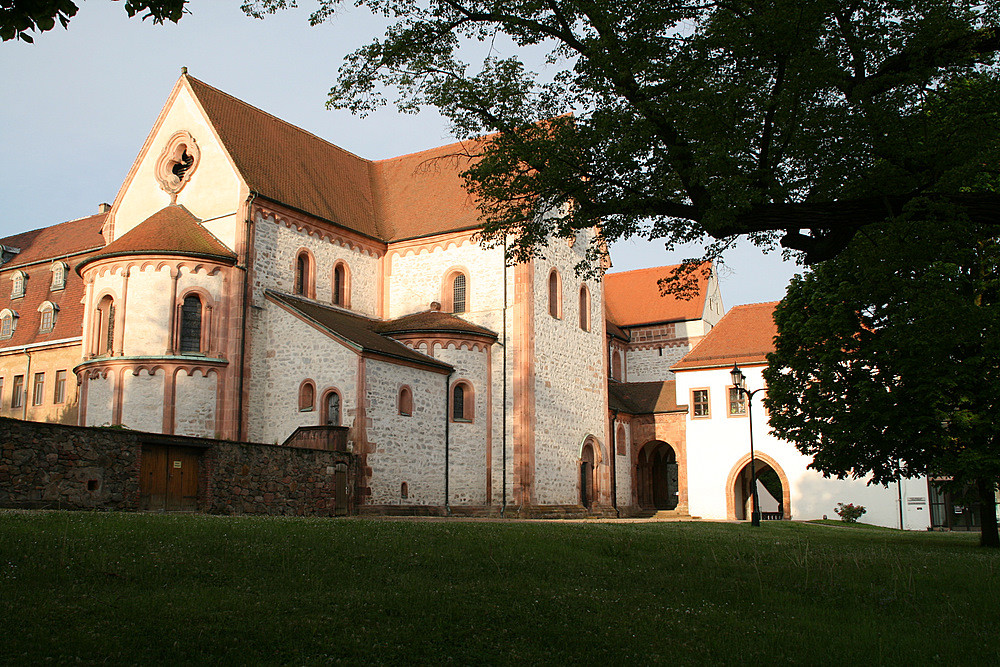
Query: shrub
[[850, 512]]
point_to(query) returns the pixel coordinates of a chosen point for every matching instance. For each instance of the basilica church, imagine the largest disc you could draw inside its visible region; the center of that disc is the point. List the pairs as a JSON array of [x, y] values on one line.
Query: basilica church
[[253, 282]]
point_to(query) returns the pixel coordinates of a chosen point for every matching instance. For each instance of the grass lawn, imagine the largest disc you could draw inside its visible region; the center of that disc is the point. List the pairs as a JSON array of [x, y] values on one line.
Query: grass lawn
[[134, 588]]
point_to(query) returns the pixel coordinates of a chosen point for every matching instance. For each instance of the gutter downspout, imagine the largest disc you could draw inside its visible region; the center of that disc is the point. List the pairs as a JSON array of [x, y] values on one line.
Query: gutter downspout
[[24, 389], [503, 439], [243, 326], [614, 455], [447, 424]]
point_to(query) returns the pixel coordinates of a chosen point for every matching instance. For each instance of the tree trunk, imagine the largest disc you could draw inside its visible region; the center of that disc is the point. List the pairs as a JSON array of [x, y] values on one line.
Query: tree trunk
[[989, 537]]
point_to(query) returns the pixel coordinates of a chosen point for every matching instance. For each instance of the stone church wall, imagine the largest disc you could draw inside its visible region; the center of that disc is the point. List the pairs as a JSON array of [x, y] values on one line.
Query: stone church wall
[[286, 352], [652, 364], [468, 441], [277, 247], [417, 277], [570, 382], [402, 448]]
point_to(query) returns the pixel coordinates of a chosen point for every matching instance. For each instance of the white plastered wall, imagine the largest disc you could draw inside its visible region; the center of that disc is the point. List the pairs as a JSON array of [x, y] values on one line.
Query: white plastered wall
[[142, 401], [195, 404], [215, 191], [715, 446], [100, 397]]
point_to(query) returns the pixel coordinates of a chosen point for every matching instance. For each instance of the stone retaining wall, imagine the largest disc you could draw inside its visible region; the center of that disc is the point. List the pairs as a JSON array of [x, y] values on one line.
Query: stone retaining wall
[[74, 467]]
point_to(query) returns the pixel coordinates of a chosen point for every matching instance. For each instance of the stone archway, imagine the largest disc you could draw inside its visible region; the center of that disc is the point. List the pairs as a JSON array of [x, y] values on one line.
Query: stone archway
[[588, 480], [773, 489], [657, 477]]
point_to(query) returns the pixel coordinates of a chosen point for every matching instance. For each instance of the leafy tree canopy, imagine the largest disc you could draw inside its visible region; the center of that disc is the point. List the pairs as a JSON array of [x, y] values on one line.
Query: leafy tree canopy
[[691, 120], [19, 17], [887, 360]]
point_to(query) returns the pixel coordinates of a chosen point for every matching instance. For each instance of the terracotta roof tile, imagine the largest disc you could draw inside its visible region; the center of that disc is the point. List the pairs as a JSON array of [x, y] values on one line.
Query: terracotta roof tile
[[56, 241], [616, 331], [432, 321], [172, 230], [39, 248], [744, 335], [286, 164], [633, 298], [424, 193], [395, 199], [644, 398], [361, 331]]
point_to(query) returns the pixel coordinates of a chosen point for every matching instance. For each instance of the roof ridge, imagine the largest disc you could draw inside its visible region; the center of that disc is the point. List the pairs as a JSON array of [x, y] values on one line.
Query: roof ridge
[[755, 303], [426, 150], [652, 268], [280, 120], [58, 224]]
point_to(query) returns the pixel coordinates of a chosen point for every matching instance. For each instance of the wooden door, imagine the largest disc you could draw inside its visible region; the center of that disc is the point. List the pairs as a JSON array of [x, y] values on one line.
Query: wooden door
[[153, 478], [168, 478]]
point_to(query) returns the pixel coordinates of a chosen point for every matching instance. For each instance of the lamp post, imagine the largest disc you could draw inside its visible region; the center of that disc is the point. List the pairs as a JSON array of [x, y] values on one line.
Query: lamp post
[[740, 383]]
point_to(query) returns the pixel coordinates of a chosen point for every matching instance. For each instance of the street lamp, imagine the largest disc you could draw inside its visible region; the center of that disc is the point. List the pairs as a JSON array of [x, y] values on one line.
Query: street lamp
[[740, 383]]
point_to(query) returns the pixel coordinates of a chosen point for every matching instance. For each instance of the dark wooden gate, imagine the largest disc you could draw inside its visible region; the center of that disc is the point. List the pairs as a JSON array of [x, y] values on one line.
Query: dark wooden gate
[[168, 478]]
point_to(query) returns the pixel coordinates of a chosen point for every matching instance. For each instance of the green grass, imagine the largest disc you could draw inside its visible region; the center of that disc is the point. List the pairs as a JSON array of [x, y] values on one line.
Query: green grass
[[133, 588]]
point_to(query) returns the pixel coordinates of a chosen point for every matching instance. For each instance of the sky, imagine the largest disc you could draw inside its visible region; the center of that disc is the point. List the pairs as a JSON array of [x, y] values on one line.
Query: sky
[[78, 103]]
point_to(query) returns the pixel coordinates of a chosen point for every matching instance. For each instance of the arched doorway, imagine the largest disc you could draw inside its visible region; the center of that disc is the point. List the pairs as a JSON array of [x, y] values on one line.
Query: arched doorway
[[656, 476], [772, 490], [588, 488]]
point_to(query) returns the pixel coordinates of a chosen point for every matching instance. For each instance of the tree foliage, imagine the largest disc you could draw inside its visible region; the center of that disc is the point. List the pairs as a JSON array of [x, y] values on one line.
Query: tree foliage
[[19, 17], [689, 120], [886, 360]]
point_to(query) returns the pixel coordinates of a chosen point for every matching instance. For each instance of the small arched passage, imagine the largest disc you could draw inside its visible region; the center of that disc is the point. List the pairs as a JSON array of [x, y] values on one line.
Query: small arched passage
[[656, 476], [590, 458], [773, 490]]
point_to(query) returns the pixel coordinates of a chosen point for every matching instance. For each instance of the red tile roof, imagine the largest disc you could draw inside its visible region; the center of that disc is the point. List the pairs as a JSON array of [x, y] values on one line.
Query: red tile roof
[[644, 398], [361, 331], [432, 321], [424, 193], [633, 298], [39, 248], [56, 241], [745, 335], [395, 199], [286, 164], [172, 230]]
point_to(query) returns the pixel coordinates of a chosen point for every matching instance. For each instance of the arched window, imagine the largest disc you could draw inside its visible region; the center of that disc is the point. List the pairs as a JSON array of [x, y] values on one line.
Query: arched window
[[190, 331], [305, 279], [462, 402], [19, 280], [584, 308], [555, 302], [47, 320], [620, 441], [458, 293], [331, 408], [405, 402], [307, 396], [616, 365], [8, 323], [455, 291], [104, 337], [342, 285]]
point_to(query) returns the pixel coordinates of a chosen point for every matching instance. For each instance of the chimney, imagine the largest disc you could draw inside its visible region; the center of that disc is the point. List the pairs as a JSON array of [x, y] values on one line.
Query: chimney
[[103, 207]]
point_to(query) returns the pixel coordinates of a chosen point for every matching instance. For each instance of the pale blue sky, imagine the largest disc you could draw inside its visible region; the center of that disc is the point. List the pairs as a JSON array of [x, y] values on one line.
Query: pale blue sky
[[78, 103]]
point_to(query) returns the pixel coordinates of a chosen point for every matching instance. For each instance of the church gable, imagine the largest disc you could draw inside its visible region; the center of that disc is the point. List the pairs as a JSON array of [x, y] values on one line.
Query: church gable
[[182, 162]]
